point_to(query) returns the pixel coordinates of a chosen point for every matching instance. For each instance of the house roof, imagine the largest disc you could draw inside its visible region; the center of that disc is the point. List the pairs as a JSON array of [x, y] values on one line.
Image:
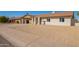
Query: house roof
[[28, 16], [60, 14]]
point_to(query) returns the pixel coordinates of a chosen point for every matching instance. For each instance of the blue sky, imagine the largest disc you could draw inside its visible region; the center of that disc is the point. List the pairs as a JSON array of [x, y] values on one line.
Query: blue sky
[[21, 13]]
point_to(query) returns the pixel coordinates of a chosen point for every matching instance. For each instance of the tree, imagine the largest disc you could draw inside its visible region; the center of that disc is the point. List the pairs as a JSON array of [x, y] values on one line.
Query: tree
[[3, 19]]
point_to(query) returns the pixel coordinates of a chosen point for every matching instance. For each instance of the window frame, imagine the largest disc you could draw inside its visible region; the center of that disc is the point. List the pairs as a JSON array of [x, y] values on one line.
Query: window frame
[[62, 19]]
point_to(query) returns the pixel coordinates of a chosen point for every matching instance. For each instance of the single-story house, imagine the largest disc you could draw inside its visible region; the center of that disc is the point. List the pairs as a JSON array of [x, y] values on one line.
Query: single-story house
[[58, 18]]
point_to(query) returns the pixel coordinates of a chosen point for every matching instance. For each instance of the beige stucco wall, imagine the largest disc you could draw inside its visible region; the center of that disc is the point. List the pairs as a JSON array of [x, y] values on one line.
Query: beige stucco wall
[[56, 21], [42, 21], [53, 21], [31, 21], [34, 21]]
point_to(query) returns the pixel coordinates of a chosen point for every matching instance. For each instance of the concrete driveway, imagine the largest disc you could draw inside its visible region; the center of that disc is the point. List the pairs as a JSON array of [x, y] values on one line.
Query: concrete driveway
[[4, 42], [40, 35]]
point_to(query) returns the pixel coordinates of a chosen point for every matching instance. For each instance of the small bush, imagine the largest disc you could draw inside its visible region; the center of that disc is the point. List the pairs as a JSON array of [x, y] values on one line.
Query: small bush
[[3, 19]]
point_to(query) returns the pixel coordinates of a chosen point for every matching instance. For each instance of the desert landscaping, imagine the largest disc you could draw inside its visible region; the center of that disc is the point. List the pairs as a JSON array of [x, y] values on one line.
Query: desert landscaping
[[28, 35]]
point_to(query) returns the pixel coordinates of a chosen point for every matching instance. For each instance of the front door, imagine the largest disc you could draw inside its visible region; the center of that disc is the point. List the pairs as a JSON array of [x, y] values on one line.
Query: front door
[[27, 21]]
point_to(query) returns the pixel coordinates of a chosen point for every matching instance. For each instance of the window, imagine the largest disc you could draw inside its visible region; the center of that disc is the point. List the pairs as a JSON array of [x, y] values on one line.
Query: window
[[48, 19], [61, 19]]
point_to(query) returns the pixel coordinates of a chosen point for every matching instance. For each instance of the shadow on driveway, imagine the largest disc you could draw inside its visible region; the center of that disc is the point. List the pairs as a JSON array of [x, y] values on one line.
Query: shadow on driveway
[[4, 42]]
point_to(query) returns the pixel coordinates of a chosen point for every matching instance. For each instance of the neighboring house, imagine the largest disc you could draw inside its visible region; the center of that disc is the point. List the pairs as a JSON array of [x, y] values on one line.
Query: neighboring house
[[14, 20], [59, 18]]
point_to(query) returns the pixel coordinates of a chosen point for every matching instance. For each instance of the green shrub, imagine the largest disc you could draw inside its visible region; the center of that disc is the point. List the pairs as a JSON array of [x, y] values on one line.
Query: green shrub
[[3, 19]]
